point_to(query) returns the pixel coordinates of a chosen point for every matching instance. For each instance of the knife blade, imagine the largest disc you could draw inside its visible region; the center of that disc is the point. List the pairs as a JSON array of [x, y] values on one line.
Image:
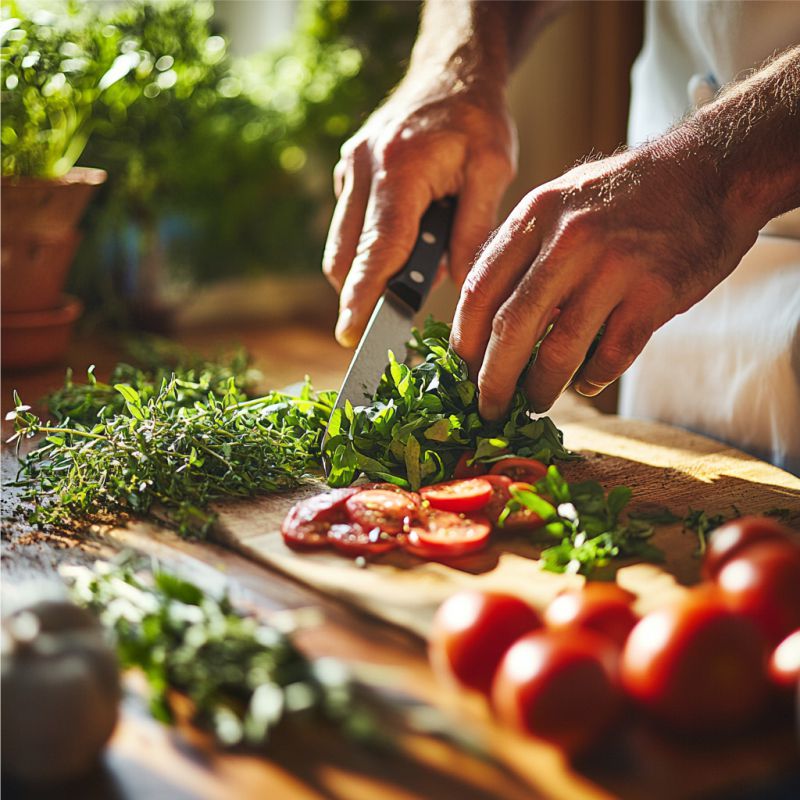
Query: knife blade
[[390, 325]]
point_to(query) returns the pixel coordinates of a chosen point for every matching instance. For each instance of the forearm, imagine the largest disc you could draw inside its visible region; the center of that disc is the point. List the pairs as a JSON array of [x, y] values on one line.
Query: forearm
[[749, 137], [475, 41]]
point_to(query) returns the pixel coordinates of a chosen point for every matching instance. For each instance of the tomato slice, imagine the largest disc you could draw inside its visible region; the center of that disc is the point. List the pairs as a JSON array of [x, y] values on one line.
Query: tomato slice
[[308, 521], [524, 519], [380, 508], [447, 535], [465, 470], [520, 469], [500, 496], [355, 540], [458, 496]]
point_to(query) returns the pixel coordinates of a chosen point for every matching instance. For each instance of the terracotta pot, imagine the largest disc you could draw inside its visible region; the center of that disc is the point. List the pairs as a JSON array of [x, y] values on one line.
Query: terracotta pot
[[37, 338], [39, 239]]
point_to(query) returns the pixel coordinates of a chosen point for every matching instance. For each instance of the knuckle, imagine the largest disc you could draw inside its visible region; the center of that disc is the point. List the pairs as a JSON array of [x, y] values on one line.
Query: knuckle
[[507, 323]]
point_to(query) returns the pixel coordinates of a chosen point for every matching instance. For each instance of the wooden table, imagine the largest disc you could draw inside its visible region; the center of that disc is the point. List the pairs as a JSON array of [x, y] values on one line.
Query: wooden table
[[148, 760]]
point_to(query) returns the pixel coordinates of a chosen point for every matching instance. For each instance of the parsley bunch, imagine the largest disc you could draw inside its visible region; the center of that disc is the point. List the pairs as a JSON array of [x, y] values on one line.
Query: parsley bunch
[[243, 676], [587, 522], [424, 418]]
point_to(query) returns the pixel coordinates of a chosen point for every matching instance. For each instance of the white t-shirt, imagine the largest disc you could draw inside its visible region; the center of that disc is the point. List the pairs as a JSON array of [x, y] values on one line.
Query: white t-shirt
[[730, 366]]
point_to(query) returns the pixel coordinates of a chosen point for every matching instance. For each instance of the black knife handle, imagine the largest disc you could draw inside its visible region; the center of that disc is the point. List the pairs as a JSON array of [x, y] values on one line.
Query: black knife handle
[[413, 282]]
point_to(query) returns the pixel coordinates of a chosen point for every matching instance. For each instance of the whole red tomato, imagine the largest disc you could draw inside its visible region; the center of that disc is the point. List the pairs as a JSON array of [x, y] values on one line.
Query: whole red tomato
[[696, 665], [559, 686], [604, 608], [472, 631], [735, 537], [763, 583], [784, 663]]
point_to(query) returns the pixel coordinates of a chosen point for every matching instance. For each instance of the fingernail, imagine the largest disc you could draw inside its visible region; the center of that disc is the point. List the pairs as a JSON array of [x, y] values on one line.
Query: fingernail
[[589, 389], [343, 333]]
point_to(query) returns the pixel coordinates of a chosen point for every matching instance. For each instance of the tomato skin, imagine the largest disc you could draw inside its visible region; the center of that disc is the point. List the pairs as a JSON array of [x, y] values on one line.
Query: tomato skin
[[500, 496], [307, 523], [784, 663], [443, 534], [528, 470], [696, 665], [387, 510], [736, 537], [461, 496], [472, 631], [763, 583], [465, 470], [354, 540], [559, 686], [604, 608]]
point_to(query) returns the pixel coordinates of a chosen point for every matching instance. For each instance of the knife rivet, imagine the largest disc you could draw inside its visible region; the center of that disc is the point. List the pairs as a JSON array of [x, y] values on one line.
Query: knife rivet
[[415, 276], [428, 238]]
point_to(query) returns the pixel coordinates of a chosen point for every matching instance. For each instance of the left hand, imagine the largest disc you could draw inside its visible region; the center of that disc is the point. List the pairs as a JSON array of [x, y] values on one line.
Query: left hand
[[629, 241]]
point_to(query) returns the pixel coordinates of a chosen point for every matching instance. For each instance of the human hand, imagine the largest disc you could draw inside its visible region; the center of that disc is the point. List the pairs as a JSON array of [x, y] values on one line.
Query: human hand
[[429, 139], [628, 241]]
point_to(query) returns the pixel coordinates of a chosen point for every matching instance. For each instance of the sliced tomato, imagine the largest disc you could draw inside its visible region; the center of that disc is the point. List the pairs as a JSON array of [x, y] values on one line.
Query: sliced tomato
[[500, 496], [466, 470], [447, 535], [458, 496], [524, 519], [355, 540], [520, 469], [308, 521], [380, 508]]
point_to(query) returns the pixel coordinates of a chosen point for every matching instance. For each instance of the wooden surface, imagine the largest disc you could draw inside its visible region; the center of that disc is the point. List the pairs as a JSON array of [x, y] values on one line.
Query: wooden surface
[[663, 466], [147, 760]]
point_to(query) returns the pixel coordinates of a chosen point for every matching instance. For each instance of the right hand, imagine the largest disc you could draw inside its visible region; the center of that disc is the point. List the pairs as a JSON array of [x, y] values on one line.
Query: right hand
[[423, 143]]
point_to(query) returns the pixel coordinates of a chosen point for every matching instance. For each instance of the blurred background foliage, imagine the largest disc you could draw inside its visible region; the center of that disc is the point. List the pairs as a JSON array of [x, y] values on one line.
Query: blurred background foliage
[[218, 165]]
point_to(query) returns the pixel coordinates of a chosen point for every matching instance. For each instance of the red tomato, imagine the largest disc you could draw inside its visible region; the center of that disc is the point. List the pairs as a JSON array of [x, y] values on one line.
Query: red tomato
[[471, 632], [380, 508], [763, 582], [500, 496], [784, 663], [459, 496], [354, 540], [735, 537], [696, 665], [466, 470], [307, 523], [520, 469], [524, 519], [558, 686], [604, 608], [447, 535]]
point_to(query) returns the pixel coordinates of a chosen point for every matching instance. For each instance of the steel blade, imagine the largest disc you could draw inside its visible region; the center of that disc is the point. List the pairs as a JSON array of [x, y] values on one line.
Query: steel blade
[[389, 328]]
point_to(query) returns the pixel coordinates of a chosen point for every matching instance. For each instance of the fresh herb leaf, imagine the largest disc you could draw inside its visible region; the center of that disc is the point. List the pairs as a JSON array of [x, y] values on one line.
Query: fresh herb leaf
[[586, 520], [423, 418], [703, 524]]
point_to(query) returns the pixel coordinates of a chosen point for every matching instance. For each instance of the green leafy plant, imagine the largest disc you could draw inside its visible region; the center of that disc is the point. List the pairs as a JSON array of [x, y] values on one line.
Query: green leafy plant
[[586, 520], [422, 419], [243, 676]]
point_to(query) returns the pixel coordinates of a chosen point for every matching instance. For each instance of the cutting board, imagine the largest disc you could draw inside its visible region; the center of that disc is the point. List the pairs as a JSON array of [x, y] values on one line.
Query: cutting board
[[663, 465]]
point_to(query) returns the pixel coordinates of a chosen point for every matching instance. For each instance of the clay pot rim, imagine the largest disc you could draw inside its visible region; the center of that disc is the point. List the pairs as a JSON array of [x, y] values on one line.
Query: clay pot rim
[[66, 313], [81, 175]]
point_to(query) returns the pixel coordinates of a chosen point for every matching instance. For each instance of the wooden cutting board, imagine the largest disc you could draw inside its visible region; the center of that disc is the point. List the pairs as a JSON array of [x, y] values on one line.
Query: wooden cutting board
[[663, 465]]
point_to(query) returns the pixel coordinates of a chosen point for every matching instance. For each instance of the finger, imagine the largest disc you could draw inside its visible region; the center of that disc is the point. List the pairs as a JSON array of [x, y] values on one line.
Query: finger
[[348, 221], [564, 348], [489, 283], [627, 332], [339, 172], [478, 204], [519, 323], [391, 225]]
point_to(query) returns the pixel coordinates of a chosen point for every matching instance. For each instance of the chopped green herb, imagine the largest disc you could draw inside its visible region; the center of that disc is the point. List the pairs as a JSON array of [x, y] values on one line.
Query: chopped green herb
[[423, 418], [587, 522], [243, 676], [702, 524]]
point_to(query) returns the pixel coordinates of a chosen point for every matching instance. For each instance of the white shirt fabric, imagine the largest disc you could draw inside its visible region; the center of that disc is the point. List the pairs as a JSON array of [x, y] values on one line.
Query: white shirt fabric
[[730, 366]]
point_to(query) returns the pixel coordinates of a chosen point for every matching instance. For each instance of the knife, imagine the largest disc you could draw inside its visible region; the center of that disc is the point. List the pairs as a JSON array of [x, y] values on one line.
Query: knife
[[390, 325]]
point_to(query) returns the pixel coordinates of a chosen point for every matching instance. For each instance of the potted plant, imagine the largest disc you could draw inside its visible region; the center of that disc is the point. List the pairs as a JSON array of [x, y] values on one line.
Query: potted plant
[[54, 72]]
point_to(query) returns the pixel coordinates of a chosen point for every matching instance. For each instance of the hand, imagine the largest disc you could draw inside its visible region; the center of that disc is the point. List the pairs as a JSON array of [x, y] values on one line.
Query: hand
[[422, 144], [628, 241]]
